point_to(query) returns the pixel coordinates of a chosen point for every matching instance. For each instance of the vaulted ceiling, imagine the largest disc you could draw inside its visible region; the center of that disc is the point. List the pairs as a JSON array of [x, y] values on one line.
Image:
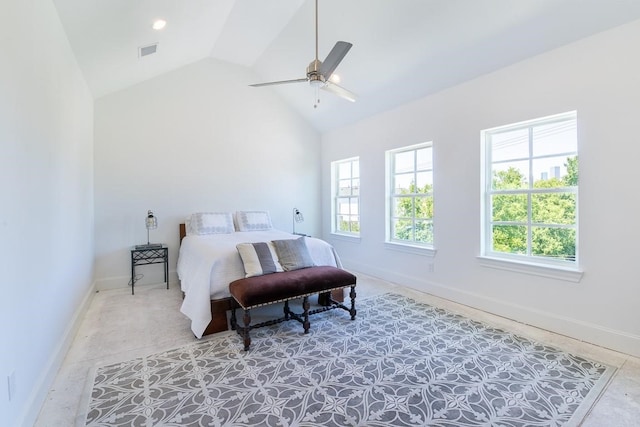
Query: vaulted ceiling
[[402, 49]]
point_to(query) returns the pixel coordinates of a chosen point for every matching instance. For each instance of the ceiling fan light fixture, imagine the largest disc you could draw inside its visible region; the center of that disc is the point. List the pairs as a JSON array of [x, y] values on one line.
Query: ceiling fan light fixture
[[316, 81]]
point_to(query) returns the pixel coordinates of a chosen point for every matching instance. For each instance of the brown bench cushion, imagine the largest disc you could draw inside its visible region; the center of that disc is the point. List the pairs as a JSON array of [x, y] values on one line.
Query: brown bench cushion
[[270, 288]]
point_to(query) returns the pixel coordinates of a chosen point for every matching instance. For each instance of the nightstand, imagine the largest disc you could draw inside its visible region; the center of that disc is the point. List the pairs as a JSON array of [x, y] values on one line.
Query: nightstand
[[146, 256]]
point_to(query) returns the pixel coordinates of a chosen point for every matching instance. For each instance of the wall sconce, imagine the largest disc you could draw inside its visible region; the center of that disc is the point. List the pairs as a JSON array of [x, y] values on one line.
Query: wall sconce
[[151, 223], [297, 217]]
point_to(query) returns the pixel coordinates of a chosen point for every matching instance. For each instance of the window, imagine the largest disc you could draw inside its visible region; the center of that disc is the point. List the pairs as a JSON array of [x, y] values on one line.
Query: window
[[346, 196], [530, 209], [410, 195]]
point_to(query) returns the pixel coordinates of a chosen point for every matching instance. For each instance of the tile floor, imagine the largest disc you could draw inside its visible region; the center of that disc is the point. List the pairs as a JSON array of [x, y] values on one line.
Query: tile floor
[[119, 326]]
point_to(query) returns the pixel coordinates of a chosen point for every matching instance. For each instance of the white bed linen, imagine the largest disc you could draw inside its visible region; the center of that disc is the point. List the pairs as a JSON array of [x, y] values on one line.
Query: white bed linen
[[208, 263]]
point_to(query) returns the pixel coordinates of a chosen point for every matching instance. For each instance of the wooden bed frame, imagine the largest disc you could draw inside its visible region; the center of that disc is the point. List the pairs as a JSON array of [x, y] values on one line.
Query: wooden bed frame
[[219, 307]]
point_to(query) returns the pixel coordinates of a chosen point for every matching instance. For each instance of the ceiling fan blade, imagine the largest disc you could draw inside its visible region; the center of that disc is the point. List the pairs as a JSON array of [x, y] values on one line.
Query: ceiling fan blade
[[340, 91], [280, 82], [334, 58]]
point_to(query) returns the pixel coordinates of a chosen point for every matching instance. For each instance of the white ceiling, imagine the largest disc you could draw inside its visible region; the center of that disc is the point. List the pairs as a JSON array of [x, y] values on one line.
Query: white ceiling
[[402, 49]]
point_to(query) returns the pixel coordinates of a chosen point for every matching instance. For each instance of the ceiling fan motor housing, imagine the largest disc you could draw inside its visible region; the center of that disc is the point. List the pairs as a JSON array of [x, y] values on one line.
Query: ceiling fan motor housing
[[313, 73]]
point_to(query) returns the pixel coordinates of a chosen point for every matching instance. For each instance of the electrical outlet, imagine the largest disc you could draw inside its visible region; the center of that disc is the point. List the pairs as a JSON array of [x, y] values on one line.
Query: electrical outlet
[[11, 384]]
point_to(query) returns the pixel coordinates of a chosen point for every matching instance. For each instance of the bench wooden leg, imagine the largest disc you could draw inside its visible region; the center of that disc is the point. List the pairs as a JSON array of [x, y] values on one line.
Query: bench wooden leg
[[287, 312], [305, 307], [234, 321], [324, 298], [247, 327], [352, 295]]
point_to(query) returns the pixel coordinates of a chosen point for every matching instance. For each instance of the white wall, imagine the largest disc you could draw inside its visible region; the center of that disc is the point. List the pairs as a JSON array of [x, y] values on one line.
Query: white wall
[[46, 214], [600, 78], [196, 139]]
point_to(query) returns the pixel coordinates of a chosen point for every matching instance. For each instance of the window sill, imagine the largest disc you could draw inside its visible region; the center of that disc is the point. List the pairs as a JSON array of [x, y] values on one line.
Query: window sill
[[411, 249], [553, 272], [346, 237]]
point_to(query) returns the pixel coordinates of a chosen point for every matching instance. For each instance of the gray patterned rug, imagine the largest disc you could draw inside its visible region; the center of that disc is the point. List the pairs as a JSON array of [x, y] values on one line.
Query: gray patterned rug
[[400, 363]]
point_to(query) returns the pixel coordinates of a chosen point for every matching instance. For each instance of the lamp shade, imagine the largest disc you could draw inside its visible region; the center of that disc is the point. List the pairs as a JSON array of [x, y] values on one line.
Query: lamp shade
[[297, 217], [151, 222]]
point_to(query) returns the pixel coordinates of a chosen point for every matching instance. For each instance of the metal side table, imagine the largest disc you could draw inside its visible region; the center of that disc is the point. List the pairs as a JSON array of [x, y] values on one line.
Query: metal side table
[[148, 254]]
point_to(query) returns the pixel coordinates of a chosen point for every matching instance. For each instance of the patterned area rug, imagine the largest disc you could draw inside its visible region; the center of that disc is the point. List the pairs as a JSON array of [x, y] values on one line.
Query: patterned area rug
[[400, 363]]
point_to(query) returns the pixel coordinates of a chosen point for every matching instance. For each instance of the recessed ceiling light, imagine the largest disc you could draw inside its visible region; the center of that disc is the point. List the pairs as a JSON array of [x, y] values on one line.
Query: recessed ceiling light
[[159, 24], [334, 78]]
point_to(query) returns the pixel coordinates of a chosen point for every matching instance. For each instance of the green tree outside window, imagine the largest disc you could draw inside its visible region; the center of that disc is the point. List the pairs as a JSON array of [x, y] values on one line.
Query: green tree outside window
[[552, 213]]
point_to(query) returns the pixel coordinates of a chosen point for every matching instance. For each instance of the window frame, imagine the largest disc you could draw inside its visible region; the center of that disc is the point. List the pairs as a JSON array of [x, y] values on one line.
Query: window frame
[[335, 196], [411, 246], [528, 262]]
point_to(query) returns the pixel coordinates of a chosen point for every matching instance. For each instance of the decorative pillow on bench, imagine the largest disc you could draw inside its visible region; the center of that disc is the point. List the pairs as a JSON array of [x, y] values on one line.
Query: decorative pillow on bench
[[293, 254], [259, 258]]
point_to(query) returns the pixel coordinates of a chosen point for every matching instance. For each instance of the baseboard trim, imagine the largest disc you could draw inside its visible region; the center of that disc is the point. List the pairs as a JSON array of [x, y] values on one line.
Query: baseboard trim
[[577, 329], [121, 282], [39, 394]]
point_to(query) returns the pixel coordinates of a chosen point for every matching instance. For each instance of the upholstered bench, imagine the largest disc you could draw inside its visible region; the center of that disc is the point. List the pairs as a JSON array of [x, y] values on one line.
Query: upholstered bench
[[267, 289]]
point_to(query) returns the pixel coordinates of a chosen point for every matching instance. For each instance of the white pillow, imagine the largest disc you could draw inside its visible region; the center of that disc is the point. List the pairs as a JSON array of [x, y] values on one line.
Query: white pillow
[[259, 258], [211, 223], [187, 226], [253, 220]]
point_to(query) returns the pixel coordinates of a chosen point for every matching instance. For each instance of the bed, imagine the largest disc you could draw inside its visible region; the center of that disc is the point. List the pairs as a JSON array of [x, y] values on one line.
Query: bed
[[208, 262]]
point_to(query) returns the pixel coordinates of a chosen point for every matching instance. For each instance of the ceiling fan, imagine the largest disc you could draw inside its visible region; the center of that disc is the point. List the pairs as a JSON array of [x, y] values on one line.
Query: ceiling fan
[[319, 72]]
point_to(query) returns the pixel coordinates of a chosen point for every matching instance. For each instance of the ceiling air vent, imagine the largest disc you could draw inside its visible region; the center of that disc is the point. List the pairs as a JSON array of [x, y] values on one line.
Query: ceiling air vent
[[147, 50]]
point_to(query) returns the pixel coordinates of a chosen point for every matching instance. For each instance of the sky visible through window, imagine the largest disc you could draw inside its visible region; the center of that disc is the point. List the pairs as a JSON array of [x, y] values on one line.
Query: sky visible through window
[[405, 163], [554, 143]]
